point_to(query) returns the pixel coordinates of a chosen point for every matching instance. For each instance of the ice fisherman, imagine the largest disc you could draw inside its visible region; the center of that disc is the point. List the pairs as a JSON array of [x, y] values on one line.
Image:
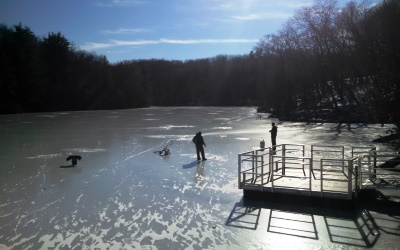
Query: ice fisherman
[[199, 142], [274, 132]]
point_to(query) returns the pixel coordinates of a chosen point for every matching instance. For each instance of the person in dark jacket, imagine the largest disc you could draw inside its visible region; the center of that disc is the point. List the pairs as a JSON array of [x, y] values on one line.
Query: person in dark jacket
[[274, 132], [199, 142]]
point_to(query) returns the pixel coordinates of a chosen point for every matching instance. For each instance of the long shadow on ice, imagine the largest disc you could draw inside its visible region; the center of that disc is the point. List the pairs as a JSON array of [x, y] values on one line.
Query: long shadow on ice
[[242, 216], [358, 226], [74, 168], [68, 166], [282, 218], [191, 165]]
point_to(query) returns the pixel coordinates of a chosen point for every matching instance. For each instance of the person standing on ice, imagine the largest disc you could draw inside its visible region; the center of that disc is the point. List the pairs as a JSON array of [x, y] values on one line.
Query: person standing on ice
[[274, 132], [199, 142]]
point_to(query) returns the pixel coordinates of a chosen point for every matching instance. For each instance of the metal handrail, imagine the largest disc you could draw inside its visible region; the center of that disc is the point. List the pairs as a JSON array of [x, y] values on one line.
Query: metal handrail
[[327, 149], [260, 166], [292, 176], [374, 175], [369, 149], [349, 177], [255, 158]]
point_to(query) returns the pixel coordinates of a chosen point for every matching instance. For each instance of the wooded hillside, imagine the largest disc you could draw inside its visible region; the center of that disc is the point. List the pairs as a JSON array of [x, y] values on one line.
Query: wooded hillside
[[326, 62]]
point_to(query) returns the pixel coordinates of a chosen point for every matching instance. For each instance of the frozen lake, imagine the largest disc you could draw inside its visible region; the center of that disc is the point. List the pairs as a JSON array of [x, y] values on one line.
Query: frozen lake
[[123, 196]]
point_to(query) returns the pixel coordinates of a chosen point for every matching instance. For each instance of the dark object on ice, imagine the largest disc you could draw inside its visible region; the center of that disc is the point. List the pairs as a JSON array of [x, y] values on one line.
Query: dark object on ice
[[262, 144], [74, 159], [387, 138], [165, 150], [391, 163], [199, 142], [190, 165], [69, 166]]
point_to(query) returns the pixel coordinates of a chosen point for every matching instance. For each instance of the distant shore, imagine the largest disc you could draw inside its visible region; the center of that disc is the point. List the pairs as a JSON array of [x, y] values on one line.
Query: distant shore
[[392, 135]]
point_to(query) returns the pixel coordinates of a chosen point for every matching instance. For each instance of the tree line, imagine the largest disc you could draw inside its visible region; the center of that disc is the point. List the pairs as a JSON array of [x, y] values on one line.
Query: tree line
[[40, 74], [339, 64]]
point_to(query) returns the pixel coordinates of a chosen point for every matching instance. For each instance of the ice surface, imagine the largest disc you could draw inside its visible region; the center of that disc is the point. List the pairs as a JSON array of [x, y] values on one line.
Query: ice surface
[[123, 196]]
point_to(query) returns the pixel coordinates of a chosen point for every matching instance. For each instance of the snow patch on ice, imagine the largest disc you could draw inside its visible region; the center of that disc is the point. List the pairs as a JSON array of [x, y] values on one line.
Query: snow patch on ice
[[171, 137], [242, 138], [223, 128], [137, 154], [85, 150], [216, 157], [79, 198], [222, 119], [48, 116], [169, 127], [49, 156]]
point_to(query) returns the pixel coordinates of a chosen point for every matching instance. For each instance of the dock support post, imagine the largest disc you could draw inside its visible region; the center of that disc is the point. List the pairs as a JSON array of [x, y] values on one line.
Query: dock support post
[[239, 170], [374, 163], [283, 160], [252, 164], [322, 176], [309, 173], [262, 172], [356, 182], [350, 179], [359, 172], [343, 159]]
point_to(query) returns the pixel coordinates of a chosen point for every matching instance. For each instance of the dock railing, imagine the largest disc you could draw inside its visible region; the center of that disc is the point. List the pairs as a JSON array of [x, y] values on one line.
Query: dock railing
[[360, 151], [287, 163], [288, 152], [379, 170], [319, 152], [254, 168], [338, 176], [326, 171]]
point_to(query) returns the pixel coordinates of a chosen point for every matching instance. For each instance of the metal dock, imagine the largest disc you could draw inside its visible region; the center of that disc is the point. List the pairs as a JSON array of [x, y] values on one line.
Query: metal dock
[[328, 172]]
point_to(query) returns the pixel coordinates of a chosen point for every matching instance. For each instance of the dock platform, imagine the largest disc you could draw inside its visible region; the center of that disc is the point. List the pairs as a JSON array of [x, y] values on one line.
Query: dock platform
[[317, 171]]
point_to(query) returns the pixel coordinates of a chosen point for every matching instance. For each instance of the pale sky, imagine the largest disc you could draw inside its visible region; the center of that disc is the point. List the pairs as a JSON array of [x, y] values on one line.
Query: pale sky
[[162, 29]]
